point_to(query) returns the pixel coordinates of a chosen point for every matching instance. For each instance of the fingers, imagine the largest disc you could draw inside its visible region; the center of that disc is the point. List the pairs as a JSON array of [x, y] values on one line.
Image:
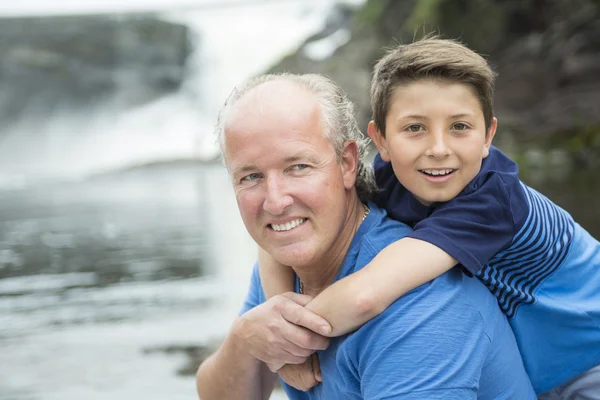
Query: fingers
[[268, 334], [263, 339], [275, 367], [316, 366], [303, 342], [299, 376], [297, 314]]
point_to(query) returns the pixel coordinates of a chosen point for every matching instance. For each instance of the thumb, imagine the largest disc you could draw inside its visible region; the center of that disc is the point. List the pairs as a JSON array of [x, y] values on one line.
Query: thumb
[[301, 299], [301, 316]]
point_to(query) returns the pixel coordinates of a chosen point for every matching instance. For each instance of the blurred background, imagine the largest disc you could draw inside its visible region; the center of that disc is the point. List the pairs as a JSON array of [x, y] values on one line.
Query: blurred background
[[123, 259]]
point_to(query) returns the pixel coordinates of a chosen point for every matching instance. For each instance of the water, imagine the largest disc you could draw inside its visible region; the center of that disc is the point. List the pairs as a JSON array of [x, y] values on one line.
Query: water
[[233, 43], [122, 253], [97, 274]]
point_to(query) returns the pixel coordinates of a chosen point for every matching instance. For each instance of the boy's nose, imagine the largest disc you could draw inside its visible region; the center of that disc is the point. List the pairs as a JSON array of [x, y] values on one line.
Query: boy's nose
[[438, 147], [277, 198]]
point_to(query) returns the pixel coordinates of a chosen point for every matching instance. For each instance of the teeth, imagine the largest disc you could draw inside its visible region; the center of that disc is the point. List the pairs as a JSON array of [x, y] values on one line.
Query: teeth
[[436, 172], [288, 225]]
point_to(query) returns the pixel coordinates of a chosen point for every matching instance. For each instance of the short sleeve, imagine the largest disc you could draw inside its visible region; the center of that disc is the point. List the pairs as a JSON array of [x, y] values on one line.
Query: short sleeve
[[472, 227], [426, 346], [253, 298]]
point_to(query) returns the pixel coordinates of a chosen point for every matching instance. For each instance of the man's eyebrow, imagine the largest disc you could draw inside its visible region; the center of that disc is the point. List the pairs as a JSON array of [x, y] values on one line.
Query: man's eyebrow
[[290, 159], [300, 156], [243, 169]]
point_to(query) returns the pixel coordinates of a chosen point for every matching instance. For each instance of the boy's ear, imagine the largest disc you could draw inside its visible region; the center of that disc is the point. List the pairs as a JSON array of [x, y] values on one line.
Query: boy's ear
[[379, 141], [489, 136]]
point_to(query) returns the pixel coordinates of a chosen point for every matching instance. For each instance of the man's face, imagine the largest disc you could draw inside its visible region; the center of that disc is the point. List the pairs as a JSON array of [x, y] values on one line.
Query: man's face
[[435, 138], [291, 191]]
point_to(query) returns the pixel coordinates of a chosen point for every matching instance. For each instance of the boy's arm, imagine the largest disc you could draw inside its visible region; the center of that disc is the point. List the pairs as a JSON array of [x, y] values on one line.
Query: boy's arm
[[396, 270], [275, 278]]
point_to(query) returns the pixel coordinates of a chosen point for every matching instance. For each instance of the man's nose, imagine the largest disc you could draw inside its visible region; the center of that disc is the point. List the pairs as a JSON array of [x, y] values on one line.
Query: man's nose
[[438, 146], [277, 197]]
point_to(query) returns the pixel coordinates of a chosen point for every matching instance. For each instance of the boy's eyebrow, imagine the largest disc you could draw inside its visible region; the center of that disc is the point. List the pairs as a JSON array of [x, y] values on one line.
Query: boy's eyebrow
[[424, 117], [413, 116], [461, 115]]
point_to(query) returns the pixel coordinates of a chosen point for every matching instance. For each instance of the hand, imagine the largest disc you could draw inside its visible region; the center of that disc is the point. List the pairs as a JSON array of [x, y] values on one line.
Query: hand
[[282, 331], [302, 376]]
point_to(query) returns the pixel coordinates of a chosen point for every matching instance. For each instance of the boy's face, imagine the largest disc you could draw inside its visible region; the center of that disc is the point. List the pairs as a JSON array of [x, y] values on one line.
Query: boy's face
[[435, 138]]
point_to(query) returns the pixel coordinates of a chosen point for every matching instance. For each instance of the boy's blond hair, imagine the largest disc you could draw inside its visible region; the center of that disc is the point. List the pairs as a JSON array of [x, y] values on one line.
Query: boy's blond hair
[[431, 58]]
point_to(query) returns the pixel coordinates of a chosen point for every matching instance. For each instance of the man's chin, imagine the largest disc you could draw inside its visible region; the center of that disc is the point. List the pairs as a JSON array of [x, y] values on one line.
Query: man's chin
[[290, 257]]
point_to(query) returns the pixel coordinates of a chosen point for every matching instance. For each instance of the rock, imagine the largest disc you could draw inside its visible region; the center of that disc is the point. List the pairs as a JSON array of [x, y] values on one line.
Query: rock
[[546, 53], [57, 62]]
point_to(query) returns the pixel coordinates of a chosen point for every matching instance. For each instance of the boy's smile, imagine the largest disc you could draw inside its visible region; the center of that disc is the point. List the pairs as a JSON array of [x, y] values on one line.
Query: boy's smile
[[435, 138]]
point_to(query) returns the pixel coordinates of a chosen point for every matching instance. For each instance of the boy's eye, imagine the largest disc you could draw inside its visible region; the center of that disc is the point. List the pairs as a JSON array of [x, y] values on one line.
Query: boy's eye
[[459, 126], [250, 177], [414, 128]]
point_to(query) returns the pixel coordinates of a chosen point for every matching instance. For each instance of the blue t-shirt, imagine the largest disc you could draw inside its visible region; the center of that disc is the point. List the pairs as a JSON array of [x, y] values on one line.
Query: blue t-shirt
[[444, 340], [543, 268]]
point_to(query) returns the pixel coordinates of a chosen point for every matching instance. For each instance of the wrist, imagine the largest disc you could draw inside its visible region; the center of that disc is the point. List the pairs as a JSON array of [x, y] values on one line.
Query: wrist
[[236, 340]]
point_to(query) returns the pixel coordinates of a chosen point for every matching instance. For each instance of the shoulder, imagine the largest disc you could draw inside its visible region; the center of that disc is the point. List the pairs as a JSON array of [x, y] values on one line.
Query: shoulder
[[438, 326], [498, 180], [381, 231], [452, 298], [498, 172]]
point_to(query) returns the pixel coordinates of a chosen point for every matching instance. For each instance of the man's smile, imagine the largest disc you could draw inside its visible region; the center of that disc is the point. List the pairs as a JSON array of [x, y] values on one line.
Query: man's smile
[[288, 225]]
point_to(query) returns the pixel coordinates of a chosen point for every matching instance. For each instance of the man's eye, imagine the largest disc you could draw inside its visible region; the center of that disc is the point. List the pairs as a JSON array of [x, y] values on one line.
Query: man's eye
[[250, 177], [414, 128], [299, 167]]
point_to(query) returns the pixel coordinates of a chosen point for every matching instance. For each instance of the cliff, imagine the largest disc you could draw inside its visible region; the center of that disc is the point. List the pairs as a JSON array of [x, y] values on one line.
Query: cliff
[[72, 62], [546, 54]]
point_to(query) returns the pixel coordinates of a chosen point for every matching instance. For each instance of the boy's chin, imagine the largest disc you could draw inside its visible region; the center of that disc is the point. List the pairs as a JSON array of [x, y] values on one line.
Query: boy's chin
[[428, 199]]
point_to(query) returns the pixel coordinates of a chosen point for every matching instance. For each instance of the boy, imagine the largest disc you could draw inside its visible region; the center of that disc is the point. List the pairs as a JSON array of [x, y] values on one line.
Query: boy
[[433, 126]]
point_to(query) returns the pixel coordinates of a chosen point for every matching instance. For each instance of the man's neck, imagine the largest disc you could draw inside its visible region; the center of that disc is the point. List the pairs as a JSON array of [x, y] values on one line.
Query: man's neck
[[316, 277]]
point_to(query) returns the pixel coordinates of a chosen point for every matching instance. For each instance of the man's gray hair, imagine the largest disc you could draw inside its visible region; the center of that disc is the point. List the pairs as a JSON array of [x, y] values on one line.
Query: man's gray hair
[[337, 118]]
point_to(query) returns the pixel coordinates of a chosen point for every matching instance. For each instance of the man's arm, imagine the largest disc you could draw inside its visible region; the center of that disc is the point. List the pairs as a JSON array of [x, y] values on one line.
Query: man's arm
[[231, 373], [273, 331]]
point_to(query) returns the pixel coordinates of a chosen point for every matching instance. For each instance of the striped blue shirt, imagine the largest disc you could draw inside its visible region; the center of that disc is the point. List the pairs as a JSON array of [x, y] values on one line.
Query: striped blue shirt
[[542, 267]]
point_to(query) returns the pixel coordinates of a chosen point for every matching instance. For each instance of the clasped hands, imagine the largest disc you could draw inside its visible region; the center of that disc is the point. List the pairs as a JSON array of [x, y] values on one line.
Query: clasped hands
[[285, 335]]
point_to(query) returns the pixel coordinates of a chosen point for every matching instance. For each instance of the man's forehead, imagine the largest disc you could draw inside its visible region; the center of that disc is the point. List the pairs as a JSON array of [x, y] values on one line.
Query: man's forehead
[[272, 98]]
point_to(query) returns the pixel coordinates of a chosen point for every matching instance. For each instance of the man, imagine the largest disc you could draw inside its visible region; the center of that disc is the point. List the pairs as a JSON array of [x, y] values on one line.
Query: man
[[292, 148]]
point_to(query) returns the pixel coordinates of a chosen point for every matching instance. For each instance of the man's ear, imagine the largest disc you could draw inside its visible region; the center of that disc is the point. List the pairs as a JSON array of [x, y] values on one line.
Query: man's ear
[[489, 136], [379, 140], [349, 163]]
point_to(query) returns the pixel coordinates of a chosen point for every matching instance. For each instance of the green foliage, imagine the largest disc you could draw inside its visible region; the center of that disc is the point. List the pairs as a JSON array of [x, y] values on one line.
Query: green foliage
[[478, 23], [586, 139], [371, 12], [425, 13]]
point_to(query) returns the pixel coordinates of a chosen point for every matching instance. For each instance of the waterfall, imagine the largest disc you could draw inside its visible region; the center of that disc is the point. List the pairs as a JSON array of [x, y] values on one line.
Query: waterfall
[[232, 41]]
